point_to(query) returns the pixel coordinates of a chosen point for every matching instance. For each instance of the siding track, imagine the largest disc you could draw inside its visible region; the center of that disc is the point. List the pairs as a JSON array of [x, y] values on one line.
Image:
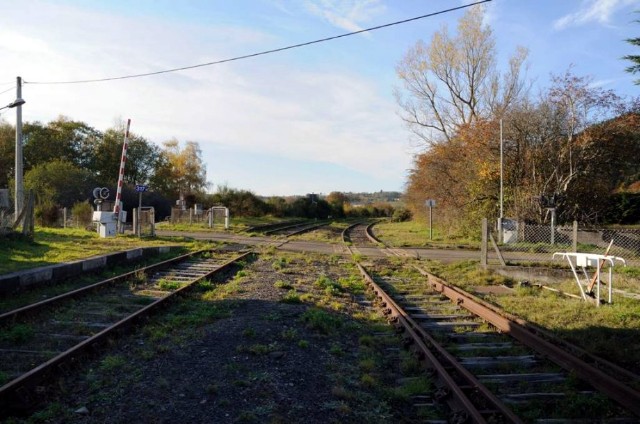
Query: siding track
[[39, 340], [494, 368]]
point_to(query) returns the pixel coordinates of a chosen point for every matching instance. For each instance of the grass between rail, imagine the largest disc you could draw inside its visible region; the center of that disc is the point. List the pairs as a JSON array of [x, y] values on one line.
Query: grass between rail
[[280, 340], [236, 224], [55, 245], [608, 331]]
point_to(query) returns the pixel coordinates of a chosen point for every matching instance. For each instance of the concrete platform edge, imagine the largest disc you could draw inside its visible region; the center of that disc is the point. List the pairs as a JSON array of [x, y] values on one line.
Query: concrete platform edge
[[27, 278]]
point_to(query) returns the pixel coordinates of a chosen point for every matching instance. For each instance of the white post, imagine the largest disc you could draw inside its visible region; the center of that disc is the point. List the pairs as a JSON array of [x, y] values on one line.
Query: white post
[[226, 218], [19, 186], [136, 219]]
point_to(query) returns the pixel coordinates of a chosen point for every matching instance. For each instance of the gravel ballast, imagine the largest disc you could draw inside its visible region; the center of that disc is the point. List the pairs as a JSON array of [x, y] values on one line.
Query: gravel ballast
[[290, 338]]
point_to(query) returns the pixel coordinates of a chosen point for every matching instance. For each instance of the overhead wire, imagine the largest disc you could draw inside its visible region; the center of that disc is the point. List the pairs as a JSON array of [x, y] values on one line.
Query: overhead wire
[[8, 89], [262, 53]]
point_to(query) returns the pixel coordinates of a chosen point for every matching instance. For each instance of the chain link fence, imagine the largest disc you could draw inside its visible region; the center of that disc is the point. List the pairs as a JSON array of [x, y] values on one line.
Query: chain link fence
[[213, 217], [519, 243], [188, 216]]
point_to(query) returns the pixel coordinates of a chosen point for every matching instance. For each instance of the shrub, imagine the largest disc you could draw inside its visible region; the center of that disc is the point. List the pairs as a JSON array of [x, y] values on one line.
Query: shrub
[[82, 213], [401, 215], [47, 214]]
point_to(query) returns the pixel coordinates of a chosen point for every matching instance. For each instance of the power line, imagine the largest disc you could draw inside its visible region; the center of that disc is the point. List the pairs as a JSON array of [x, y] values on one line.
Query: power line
[[262, 53], [8, 89]]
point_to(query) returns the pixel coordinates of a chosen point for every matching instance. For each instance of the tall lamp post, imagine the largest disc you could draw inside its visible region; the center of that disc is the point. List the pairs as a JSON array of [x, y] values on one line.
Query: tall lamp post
[[500, 234], [17, 103]]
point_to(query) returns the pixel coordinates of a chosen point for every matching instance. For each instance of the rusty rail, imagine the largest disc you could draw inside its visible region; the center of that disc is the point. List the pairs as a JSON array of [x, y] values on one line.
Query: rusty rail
[[15, 313], [15, 394], [459, 402], [605, 383]]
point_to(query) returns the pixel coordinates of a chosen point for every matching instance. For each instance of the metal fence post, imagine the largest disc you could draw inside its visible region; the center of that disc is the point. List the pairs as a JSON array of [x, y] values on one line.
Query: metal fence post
[[574, 245], [483, 245], [553, 226], [136, 221]]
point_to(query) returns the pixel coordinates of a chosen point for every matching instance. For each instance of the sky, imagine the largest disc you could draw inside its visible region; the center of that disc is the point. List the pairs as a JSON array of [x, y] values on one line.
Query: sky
[[314, 119]]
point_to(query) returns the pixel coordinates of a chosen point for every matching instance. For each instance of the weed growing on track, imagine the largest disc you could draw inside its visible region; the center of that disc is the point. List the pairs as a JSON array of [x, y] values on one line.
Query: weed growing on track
[[608, 331], [47, 291], [291, 297], [321, 321], [19, 333], [164, 284], [112, 363], [282, 285], [317, 359]]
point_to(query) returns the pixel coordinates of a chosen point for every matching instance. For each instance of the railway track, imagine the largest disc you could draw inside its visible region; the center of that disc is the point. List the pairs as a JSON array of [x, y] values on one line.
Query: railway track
[[293, 229], [360, 235], [495, 368], [492, 367], [44, 338]]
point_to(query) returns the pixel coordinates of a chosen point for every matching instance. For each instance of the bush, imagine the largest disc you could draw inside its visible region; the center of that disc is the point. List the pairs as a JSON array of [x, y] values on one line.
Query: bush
[[401, 215], [47, 214], [82, 213]]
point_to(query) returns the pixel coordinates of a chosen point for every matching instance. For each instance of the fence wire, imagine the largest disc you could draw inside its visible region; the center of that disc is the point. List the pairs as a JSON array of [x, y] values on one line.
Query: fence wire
[[522, 243]]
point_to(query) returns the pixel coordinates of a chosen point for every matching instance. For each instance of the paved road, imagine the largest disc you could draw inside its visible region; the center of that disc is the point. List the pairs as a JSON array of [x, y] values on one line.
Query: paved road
[[443, 255]]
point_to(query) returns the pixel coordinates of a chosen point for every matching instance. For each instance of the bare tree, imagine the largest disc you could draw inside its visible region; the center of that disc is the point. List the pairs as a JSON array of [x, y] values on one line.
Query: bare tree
[[453, 81]]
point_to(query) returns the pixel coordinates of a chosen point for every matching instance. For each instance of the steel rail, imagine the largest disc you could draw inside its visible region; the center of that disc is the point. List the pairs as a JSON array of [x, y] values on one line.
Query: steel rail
[[418, 334], [13, 314], [307, 229], [576, 350], [263, 227], [10, 392], [287, 227], [602, 381], [346, 231], [373, 239]]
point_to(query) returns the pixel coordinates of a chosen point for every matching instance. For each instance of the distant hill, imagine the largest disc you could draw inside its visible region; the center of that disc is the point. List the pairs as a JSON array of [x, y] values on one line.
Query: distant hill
[[368, 198]]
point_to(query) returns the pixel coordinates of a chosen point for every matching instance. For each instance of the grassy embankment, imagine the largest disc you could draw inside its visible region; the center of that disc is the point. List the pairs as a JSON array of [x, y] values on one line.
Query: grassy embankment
[[56, 245], [416, 234], [236, 224]]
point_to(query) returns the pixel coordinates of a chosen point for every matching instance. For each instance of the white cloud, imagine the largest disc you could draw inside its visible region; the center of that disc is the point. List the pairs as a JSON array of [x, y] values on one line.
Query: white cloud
[[599, 11], [260, 105], [346, 14]]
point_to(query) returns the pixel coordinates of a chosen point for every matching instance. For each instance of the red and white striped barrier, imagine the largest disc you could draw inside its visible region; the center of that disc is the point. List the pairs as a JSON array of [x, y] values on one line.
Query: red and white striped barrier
[[116, 207]]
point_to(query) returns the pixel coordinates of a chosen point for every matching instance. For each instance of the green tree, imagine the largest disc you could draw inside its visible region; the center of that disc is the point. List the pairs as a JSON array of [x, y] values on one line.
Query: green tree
[[61, 139], [277, 206], [7, 153], [239, 202], [337, 200], [59, 182], [142, 157], [634, 58]]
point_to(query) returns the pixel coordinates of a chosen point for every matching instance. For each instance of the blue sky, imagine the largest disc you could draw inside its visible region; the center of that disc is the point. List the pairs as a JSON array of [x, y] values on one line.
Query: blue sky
[[315, 119]]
